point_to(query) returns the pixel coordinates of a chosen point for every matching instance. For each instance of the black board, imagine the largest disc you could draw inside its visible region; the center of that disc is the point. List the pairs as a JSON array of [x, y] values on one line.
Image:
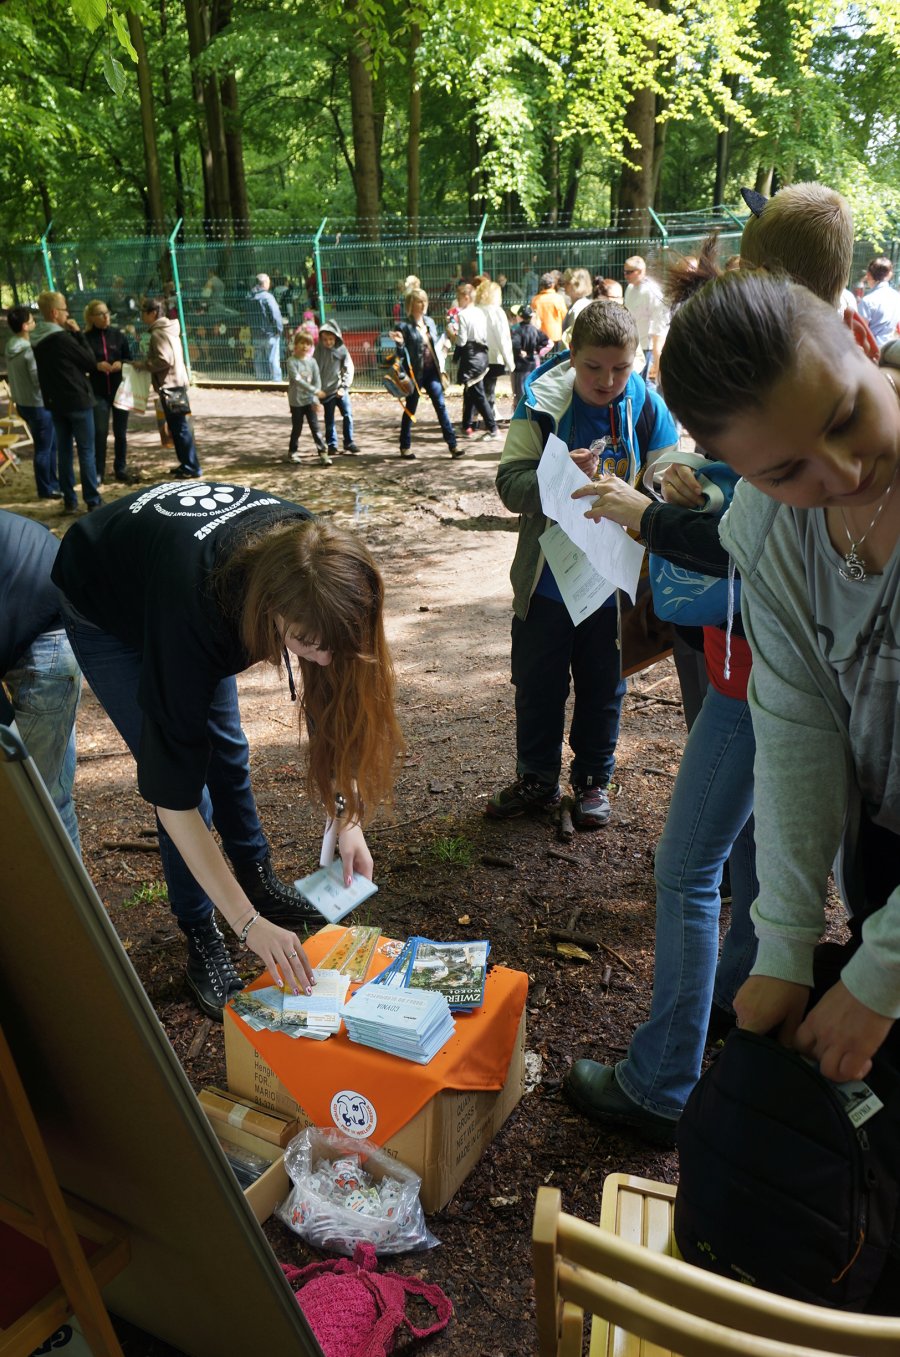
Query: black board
[[122, 1126]]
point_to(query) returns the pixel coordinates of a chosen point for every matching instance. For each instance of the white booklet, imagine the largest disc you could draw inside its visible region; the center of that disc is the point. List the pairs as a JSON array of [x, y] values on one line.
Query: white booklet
[[325, 890]]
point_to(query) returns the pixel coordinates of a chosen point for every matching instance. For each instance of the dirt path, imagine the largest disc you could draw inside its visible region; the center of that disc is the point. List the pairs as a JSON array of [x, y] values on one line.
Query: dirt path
[[444, 543]]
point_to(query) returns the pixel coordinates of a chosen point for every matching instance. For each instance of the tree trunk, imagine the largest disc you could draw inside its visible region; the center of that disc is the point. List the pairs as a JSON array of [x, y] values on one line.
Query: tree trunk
[[570, 197], [553, 181], [366, 173], [234, 136], [155, 210], [764, 175], [196, 44], [659, 151], [177, 167], [636, 180], [636, 183], [723, 148], [476, 200], [413, 136]]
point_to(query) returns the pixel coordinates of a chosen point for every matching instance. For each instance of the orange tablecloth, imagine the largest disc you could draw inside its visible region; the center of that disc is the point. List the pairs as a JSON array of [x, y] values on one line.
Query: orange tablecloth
[[315, 1072]]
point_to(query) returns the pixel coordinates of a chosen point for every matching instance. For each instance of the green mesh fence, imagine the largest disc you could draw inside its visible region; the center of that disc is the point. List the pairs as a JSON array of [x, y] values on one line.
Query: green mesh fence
[[215, 278], [340, 275], [363, 281], [118, 272], [24, 274]]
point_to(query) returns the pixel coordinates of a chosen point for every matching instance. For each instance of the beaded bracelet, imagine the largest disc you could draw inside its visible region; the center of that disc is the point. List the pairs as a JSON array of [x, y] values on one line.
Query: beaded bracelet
[[247, 926]]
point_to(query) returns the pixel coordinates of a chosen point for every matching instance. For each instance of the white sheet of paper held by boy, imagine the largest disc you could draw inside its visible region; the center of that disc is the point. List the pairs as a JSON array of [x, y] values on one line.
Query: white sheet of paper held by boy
[[613, 554], [325, 890], [583, 590]]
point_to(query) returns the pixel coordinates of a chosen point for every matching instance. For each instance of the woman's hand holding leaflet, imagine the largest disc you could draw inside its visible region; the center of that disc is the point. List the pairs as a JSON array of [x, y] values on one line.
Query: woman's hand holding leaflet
[[278, 949], [614, 499]]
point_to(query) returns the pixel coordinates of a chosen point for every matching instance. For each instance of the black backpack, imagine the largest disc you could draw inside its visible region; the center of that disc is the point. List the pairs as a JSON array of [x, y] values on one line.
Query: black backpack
[[789, 1182]]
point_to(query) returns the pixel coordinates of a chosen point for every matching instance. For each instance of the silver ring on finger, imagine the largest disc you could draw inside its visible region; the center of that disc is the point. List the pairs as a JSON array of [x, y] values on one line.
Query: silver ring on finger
[[291, 955]]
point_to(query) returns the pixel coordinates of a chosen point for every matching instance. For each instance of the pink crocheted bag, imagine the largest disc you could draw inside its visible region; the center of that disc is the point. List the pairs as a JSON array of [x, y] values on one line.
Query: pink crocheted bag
[[356, 1311]]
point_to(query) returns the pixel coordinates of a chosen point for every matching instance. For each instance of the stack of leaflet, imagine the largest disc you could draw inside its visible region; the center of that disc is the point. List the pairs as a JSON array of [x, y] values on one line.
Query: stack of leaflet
[[457, 970], [316, 1015], [413, 1024]]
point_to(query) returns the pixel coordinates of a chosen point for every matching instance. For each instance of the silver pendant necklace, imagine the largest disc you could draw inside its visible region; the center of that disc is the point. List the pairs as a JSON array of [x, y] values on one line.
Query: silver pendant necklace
[[854, 568]]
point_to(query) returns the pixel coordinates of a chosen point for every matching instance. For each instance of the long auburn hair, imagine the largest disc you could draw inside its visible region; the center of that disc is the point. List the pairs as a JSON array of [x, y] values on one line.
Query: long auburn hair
[[323, 583]]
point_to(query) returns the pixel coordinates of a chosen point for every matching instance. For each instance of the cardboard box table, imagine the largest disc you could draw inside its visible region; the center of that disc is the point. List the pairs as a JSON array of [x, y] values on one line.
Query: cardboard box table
[[438, 1119]]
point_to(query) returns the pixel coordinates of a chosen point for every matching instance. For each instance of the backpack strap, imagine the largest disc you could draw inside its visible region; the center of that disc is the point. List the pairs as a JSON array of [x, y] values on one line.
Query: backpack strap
[[643, 429]]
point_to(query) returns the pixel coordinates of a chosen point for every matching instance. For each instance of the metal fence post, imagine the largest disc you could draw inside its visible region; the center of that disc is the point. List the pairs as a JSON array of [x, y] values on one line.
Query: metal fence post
[[727, 210], [659, 226], [45, 251], [479, 244], [177, 281], [317, 260]]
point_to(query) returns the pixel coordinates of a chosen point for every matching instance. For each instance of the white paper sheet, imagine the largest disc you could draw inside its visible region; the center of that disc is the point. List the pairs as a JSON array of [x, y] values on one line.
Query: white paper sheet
[[583, 590], [613, 554]]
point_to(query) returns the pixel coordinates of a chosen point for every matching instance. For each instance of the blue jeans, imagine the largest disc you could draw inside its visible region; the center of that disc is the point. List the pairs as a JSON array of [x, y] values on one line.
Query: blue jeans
[[45, 685], [43, 435], [113, 670], [546, 647], [77, 425], [267, 358], [330, 406], [436, 393], [183, 439], [101, 433], [710, 817]]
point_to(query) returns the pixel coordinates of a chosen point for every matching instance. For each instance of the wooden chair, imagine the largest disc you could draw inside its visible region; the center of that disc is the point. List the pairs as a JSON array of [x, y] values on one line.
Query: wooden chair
[[12, 421], [649, 1303], [79, 1249], [14, 434]]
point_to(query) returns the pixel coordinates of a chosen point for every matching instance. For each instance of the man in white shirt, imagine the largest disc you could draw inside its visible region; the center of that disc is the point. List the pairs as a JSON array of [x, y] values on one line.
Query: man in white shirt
[[644, 299], [880, 307]]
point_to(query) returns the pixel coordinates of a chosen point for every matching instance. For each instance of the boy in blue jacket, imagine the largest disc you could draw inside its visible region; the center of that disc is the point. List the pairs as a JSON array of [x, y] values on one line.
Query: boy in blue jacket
[[588, 394]]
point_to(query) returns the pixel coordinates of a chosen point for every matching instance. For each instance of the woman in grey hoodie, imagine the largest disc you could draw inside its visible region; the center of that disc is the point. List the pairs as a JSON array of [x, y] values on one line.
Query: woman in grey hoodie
[[25, 390], [769, 378]]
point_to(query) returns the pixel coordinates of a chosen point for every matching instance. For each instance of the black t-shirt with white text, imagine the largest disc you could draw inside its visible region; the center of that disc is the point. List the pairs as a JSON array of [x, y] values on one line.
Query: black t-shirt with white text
[[140, 569]]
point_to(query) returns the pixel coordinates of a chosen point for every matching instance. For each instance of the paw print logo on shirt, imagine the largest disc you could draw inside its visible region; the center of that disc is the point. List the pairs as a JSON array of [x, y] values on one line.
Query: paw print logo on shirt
[[203, 500], [207, 497]]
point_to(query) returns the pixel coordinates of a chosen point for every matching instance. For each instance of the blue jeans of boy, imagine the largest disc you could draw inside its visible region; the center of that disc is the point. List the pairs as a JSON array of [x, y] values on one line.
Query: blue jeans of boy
[[710, 818], [546, 648], [43, 435], [113, 670], [44, 687], [77, 425], [330, 407], [436, 394]]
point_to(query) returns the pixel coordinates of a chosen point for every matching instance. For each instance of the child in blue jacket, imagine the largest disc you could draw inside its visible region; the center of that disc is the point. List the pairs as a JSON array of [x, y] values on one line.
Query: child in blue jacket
[[588, 393]]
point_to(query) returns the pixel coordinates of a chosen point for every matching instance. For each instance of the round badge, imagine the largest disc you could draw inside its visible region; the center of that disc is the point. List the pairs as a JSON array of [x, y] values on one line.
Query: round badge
[[353, 1114]]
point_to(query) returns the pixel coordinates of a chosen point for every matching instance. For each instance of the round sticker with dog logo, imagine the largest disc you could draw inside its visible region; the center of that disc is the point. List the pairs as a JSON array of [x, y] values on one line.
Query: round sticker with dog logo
[[353, 1114]]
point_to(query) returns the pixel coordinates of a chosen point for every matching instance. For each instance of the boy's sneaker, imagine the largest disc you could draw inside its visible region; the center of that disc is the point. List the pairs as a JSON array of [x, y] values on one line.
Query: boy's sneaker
[[525, 794], [456, 451], [592, 809], [352, 449], [407, 454], [296, 457], [490, 437], [324, 459], [469, 431]]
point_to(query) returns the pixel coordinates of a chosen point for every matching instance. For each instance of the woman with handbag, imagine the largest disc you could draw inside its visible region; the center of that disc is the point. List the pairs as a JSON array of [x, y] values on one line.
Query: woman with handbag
[[418, 335], [112, 347], [166, 367]]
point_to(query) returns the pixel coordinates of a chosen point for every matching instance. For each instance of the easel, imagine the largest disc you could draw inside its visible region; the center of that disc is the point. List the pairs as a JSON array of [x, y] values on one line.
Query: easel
[[55, 1222]]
